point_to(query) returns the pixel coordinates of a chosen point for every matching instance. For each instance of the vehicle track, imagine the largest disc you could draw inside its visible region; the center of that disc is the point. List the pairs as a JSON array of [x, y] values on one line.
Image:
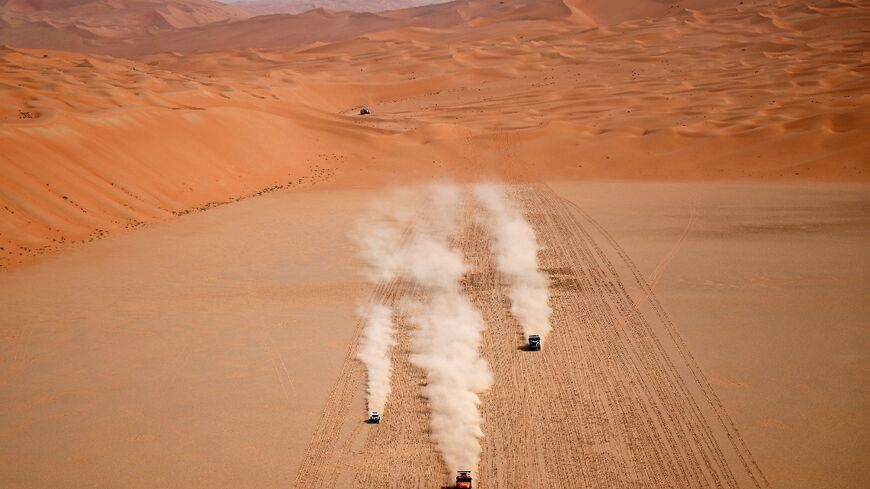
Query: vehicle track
[[614, 399], [330, 450], [741, 451], [666, 260], [662, 442]]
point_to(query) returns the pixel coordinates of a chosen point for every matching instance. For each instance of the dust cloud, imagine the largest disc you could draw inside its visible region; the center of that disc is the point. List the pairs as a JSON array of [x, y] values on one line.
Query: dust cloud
[[516, 247], [408, 236]]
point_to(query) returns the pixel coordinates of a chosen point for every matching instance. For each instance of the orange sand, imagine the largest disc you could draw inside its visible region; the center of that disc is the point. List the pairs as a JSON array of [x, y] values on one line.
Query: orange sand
[[92, 145], [216, 349]]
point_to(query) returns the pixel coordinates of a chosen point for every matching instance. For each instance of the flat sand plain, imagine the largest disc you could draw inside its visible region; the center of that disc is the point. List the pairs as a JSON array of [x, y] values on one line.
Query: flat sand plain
[[768, 286], [194, 353], [216, 350]]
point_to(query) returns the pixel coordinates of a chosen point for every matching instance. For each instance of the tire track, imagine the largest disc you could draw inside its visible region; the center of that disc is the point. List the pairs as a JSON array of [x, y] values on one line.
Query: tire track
[[676, 429], [614, 400], [628, 400], [662, 265], [328, 450], [513, 452], [399, 452], [732, 434]]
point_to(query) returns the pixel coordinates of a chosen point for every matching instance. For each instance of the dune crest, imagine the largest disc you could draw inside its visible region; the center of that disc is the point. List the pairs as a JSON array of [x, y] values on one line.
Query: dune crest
[[266, 7]]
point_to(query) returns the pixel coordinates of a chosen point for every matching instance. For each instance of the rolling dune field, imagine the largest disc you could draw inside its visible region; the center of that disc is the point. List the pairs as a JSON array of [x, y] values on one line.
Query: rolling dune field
[[740, 93]]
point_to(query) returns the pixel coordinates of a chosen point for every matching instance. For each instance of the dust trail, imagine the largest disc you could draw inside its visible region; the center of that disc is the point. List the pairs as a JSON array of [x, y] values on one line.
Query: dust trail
[[446, 343], [408, 237], [397, 229], [379, 236], [375, 343], [376, 242], [516, 253]]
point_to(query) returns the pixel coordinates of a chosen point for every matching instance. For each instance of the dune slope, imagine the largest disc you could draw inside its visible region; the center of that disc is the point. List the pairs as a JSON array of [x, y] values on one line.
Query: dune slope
[[91, 24], [92, 145]]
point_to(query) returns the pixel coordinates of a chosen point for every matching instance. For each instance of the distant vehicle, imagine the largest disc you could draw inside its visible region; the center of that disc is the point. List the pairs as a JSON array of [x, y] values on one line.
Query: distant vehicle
[[364, 111], [463, 480], [534, 342], [375, 417]]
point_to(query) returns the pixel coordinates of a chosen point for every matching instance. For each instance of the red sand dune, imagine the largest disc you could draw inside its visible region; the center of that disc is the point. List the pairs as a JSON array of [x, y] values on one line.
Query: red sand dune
[[615, 11], [276, 31], [92, 145], [88, 24], [118, 14], [266, 7]]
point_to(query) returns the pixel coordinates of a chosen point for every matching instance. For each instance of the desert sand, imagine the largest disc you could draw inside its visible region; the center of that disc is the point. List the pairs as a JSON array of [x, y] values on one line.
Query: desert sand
[[178, 285], [746, 92], [265, 7], [200, 353]]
